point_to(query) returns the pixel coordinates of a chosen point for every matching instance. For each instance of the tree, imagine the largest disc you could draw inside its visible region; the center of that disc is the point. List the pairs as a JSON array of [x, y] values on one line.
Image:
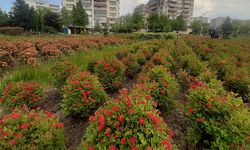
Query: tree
[[40, 13], [227, 28], [79, 15], [196, 27], [22, 14], [180, 24], [52, 19], [137, 21], [97, 27], [159, 23], [3, 18], [66, 18]]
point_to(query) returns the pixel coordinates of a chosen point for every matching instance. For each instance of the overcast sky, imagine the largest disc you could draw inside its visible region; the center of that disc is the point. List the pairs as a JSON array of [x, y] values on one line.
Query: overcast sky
[[234, 8]]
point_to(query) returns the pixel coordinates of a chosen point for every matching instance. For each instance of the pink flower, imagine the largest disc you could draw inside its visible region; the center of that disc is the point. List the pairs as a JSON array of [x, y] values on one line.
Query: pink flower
[[49, 114], [89, 92], [91, 148], [190, 110], [25, 126], [167, 144], [91, 118], [19, 135], [1, 100]]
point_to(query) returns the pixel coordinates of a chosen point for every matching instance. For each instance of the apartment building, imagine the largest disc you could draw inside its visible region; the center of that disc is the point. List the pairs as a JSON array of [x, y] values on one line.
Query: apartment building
[[217, 22], [202, 19], [143, 10], [172, 8], [38, 4], [105, 12]]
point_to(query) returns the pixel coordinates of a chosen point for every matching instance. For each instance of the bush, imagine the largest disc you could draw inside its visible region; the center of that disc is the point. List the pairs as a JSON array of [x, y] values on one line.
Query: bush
[[132, 65], [61, 71], [16, 94], [164, 88], [111, 73], [217, 121], [130, 122], [24, 129], [83, 94], [11, 30], [192, 64]]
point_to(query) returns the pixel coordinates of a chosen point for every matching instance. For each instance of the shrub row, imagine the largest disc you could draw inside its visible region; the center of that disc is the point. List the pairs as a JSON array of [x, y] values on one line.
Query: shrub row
[[11, 30]]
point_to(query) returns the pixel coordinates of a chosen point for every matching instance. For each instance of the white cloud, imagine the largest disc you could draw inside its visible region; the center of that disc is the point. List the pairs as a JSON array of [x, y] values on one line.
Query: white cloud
[[203, 7]]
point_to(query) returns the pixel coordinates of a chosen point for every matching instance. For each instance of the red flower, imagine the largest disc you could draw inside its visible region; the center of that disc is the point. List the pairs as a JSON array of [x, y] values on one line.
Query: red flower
[[202, 120], [223, 99], [131, 111], [112, 147], [162, 91], [91, 148], [132, 140], [19, 135], [91, 118], [149, 148], [12, 142], [134, 148], [101, 119], [100, 127], [25, 125], [89, 92], [129, 103], [1, 100], [75, 82], [147, 97], [58, 125], [123, 140], [141, 121], [15, 116], [171, 134], [190, 110], [167, 144], [49, 114], [115, 108], [209, 106], [108, 113], [124, 92], [120, 118], [5, 133]]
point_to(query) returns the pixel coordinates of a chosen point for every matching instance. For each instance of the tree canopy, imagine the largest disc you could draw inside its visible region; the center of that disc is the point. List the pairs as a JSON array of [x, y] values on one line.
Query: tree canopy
[[79, 15], [227, 27]]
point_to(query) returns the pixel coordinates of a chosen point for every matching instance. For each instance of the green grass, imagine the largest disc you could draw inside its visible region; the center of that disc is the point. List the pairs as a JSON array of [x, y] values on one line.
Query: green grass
[[42, 73]]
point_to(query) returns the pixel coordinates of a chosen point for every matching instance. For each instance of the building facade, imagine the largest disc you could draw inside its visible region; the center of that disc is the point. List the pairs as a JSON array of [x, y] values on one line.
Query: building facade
[[172, 8], [39, 4], [143, 10], [202, 19], [217, 22], [104, 12]]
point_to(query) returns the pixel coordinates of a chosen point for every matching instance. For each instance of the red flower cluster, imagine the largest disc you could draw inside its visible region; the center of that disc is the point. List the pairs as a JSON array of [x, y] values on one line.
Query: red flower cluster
[[101, 122], [167, 144]]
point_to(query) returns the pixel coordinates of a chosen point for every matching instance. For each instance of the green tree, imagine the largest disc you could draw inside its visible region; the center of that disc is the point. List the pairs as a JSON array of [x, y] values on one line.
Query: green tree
[[137, 21], [196, 27], [227, 27], [52, 20], [97, 27], [22, 14], [3, 18], [153, 23], [180, 24], [40, 13], [159, 23], [66, 18], [79, 15]]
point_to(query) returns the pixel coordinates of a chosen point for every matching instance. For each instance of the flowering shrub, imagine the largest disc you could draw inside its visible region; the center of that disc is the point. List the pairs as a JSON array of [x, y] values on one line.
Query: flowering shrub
[[111, 73], [24, 129], [82, 95], [192, 64], [216, 121], [164, 88], [61, 71], [16, 94], [132, 66], [130, 122]]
